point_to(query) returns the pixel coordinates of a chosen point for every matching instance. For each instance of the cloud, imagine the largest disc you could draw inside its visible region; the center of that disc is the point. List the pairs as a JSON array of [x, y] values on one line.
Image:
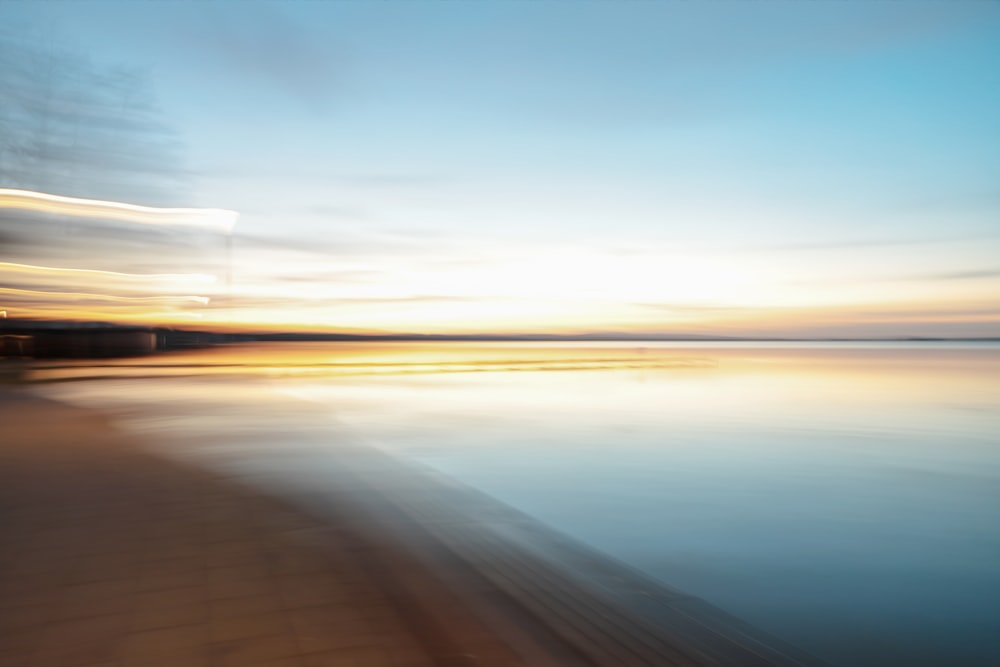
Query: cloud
[[929, 277], [693, 309], [393, 180], [849, 244], [340, 277], [265, 47], [929, 313], [330, 304], [341, 244], [960, 275], [339, 213], [310, 174]]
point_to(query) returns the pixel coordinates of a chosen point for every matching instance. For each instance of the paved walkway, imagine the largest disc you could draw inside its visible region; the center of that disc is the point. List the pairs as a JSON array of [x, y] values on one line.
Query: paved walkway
[[112, 557]]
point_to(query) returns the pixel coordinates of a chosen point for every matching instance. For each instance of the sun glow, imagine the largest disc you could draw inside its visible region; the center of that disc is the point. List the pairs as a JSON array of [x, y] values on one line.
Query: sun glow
[[577, 274], [519, 289], [474, 289]]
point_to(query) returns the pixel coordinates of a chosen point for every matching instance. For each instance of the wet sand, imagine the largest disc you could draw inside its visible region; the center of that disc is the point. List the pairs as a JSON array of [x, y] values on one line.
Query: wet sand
[[115, 556]]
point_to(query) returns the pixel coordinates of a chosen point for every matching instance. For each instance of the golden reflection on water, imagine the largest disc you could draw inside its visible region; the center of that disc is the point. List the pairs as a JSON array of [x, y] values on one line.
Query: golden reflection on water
[[893, 367], [874, 387]]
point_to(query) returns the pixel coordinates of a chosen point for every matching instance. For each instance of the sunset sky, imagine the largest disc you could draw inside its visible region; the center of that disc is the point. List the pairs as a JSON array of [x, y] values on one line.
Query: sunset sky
[[728, 168]]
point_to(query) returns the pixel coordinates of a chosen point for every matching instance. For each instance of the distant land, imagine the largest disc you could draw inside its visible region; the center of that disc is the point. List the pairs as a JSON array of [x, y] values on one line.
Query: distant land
[[594, 336], [173, 338]]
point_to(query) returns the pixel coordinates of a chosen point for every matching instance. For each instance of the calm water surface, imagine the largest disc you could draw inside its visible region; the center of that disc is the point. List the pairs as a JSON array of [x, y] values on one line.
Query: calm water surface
[[843, 497]]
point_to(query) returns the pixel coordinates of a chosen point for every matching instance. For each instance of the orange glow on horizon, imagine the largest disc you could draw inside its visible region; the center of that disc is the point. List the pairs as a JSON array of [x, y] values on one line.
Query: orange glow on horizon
[[507, 290]]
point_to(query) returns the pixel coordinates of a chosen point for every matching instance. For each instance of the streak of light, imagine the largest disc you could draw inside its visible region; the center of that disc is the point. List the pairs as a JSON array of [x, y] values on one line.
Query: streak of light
[[102, 297], [121, 314], [178, 277], [206, 218]]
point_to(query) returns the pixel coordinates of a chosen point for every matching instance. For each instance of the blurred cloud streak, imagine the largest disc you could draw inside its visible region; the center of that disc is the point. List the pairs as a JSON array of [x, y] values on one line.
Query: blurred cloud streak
[[212, 219]]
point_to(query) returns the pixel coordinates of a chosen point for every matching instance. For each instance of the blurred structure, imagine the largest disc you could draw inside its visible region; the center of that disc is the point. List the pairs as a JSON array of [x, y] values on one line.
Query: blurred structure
[[85, 270], [92, 261]]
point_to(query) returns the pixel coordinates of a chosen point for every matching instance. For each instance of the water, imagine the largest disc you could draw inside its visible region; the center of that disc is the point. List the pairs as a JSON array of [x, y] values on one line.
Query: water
[[843, 497]]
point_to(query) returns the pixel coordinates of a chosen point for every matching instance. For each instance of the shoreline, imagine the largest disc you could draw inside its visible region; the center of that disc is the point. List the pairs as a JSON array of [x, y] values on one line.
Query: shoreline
[[116, 556], [598, 607], [470, 576]]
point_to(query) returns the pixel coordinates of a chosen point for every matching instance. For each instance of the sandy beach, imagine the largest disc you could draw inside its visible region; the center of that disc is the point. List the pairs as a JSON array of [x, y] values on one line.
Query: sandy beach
[[226, 555], [114, 556]]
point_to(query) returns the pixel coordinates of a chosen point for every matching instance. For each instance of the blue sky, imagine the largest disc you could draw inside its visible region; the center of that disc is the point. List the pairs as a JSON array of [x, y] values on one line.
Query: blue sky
[[719, 167]]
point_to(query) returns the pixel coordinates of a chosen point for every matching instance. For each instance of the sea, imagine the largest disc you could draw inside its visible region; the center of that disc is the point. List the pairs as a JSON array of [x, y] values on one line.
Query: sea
[[841, 496]]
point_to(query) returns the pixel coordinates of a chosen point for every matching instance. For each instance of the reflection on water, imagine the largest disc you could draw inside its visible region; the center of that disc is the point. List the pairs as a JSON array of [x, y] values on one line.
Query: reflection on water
[[843, 497]]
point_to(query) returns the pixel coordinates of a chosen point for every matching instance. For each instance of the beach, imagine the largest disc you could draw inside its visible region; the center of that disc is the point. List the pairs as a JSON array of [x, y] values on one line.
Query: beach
[[558, 504], [118, 554], [114, 556]]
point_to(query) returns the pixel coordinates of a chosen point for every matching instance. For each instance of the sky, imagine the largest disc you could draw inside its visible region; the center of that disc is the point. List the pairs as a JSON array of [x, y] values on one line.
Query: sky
[[716, 168]]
